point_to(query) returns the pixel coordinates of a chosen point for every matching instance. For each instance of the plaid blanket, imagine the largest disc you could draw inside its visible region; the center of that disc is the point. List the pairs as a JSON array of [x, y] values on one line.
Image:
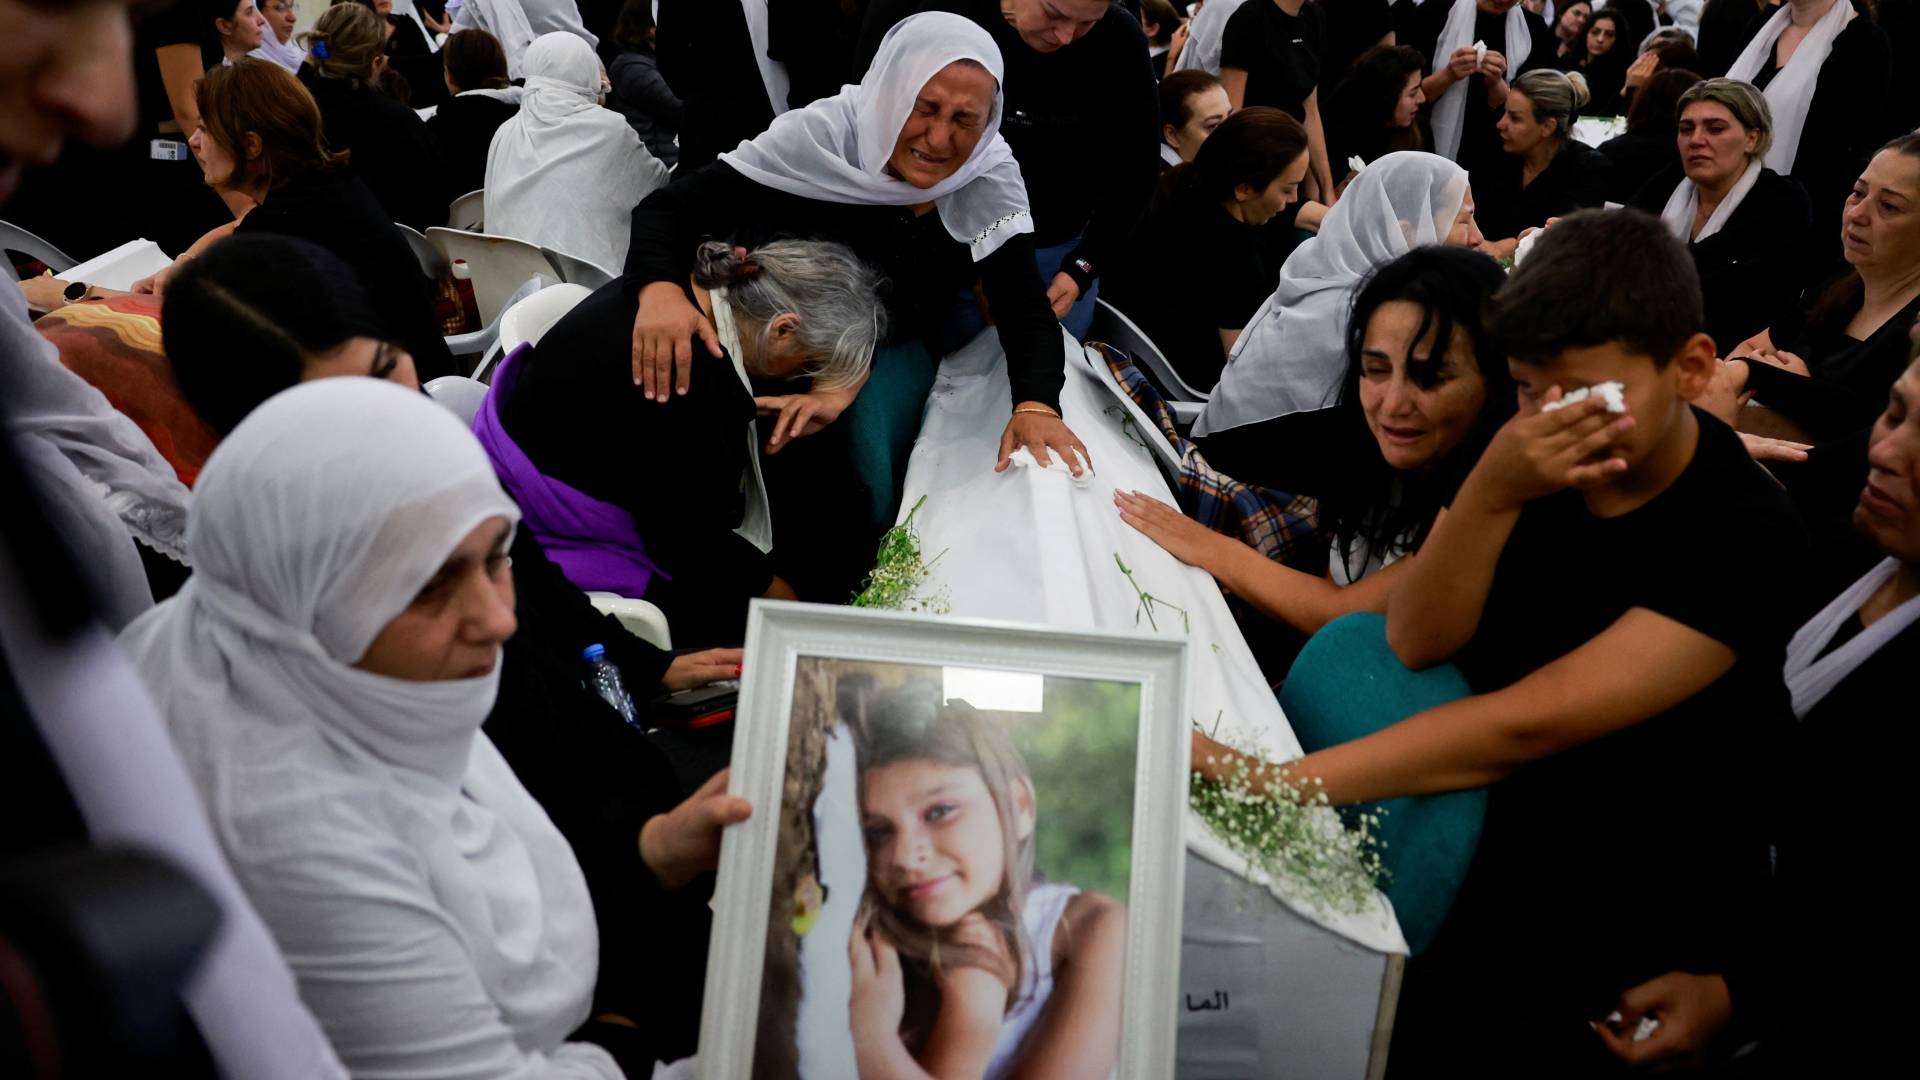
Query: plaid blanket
[[1280, 526]]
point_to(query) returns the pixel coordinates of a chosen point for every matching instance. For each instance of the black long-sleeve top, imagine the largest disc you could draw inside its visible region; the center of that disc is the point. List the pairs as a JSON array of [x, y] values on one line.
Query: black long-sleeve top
[[1083, 121], [642, 96], [1850, 377], [1575, 179], [1480, 149], [1754, 267], [388, 146], [675, 465], [925, 266], [600, 780], [463, 128]]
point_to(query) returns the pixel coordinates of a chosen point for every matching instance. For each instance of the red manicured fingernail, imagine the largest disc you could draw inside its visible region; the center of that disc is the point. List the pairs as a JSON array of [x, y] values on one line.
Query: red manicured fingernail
[[736, 671]]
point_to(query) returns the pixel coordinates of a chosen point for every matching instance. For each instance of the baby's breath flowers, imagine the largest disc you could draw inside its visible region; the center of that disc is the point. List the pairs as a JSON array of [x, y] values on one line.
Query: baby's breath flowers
[[899, 571], [1288, 831]]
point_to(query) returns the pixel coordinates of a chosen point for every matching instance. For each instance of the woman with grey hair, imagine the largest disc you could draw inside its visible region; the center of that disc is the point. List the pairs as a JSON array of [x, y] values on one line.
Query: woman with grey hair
[[669, 501], [1747, 226]]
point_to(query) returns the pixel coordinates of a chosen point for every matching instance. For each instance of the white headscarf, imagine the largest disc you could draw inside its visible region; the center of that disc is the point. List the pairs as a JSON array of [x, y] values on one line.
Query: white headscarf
[[1811, 676], [505, 20], [1450, 111], [565, 173], [289, 54], [1791, 91], [1204, 36], [836, 149], [103, 483], [315, 524], [1291, 356], [1684, 203]]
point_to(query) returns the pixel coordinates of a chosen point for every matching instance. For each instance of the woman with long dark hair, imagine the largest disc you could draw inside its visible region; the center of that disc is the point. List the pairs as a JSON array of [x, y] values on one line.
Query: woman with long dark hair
[[1208, 214], [1424, 390], [1375, 110]]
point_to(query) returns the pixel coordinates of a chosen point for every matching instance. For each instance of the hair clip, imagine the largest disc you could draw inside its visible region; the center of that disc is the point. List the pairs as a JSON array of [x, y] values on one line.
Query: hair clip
[[747, 266], [319, 50]]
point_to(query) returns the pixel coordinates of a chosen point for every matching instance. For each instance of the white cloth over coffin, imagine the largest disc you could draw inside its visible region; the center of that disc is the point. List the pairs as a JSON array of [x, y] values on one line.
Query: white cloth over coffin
[[1034, 545]]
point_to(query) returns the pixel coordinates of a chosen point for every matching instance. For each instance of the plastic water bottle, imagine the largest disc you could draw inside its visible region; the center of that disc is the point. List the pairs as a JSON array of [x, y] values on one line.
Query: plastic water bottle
[[603, 678]]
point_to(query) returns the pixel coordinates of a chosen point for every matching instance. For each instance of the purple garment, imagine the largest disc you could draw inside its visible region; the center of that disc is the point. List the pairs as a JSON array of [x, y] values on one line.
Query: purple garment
[[595, 543]]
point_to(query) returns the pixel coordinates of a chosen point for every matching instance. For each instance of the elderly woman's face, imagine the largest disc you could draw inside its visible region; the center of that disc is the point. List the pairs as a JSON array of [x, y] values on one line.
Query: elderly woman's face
[[1889, 509], [1465, 231], [1714, 147], [454, 627], [1880, 229], [949, 117]]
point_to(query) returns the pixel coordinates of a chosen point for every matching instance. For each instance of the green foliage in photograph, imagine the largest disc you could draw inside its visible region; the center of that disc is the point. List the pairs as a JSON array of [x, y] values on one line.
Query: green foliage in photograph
[[1081, 753]]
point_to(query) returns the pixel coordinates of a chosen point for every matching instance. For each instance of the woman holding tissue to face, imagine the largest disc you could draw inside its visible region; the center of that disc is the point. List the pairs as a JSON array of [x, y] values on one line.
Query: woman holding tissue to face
[[1477, 48]]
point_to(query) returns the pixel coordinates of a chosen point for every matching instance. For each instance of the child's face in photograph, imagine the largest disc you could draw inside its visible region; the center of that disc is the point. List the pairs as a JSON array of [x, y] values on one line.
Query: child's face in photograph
[[935, 848], [1656, 396]]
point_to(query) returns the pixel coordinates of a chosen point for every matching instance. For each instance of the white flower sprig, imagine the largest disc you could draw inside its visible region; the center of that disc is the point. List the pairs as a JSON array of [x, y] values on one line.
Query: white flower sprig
[[1290, 833], [899, 571]]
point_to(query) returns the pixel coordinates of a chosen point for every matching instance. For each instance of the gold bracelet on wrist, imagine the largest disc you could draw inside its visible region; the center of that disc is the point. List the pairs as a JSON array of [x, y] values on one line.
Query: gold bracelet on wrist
[[1042, 410]]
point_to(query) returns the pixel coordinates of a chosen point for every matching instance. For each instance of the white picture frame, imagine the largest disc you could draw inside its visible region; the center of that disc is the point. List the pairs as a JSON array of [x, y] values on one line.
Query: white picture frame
[[780, 634]]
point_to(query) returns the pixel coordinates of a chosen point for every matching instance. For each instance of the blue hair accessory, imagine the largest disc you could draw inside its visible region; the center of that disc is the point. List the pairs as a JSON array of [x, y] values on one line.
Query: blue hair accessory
[[319, 50]]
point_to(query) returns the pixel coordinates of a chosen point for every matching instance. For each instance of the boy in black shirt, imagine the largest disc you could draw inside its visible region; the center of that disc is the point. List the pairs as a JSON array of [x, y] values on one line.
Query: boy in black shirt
[[1608, 583]]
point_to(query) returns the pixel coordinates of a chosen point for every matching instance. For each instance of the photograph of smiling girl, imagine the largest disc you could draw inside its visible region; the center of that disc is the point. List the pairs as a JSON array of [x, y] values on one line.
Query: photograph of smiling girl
[[956, 876]]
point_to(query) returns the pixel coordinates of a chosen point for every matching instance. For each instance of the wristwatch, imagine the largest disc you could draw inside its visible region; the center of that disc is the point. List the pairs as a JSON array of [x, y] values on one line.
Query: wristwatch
[[75, 291]]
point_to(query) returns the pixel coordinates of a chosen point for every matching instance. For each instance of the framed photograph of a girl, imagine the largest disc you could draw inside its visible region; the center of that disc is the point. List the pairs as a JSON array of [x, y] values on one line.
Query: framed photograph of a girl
[[974, 867]]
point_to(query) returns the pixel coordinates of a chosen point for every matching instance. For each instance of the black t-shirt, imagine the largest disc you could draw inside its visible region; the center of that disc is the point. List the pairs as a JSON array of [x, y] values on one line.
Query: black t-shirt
[[1638, 853], [1281, 53], [1183, 312], [1353, 27]]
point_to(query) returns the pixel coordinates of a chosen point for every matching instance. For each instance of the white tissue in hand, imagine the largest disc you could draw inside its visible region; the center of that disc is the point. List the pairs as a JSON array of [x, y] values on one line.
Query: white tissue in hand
[[1645, 1029], [1024, 458], [1525, 247], [1479, 53], [1357, 163], [1613, 393]]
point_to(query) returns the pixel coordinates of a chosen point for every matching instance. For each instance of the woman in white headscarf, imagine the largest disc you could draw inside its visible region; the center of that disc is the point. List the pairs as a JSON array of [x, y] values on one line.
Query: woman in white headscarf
[[325, 674], [1824, 69], [1290, 357], [909, 170], [565, 173], [105, 487]]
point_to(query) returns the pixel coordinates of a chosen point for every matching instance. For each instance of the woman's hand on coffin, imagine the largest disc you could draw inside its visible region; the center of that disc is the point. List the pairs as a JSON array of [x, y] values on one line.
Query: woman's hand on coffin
[[155, 284], [1182, 537], [1538, 453], [684, 842], [1693, 1012], [796, 415], [1062, 295], [690, 671], [1040, 432], [663, 333]]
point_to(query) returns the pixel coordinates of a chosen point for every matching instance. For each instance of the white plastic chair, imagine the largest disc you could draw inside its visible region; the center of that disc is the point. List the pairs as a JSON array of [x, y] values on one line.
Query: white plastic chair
[[527, 321], [579, 271], [15, 238], [462, 396], [434, 264], [1112, 326], [642, 619], [468, 212], [500, 265]]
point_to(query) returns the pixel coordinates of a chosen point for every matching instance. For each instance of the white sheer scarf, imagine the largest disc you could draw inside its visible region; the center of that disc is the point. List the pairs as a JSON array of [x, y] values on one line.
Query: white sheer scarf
[[288, 54], [1810, 676], [1291, 356], [1205, 36], [836, 149], [1684, 203], [1449, 113], [103, 482], [1791, 91], [565, 173], [316, 523], [507, 21]]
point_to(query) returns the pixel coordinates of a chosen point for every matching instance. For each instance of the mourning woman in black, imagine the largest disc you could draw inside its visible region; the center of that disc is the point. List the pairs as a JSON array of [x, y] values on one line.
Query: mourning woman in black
[[1198, 270], [907, 169], [463, 125], [1547, 173]]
